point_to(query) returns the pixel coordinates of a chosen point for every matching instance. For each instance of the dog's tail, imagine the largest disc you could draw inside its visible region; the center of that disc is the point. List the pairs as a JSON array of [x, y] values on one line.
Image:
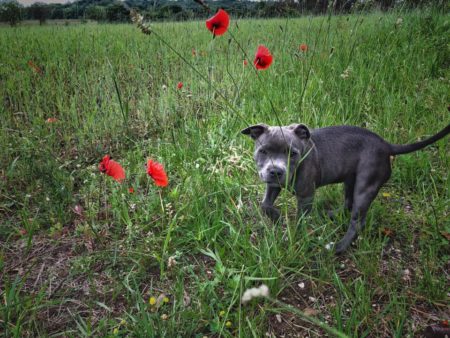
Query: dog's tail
[[397, 149]]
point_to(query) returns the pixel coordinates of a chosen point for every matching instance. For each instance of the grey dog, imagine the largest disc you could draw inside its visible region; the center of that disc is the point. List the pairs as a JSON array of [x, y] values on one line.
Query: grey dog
[[303, 160]]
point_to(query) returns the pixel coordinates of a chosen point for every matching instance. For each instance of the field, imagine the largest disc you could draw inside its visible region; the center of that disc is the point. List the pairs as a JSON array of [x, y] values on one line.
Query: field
[[81, 255]]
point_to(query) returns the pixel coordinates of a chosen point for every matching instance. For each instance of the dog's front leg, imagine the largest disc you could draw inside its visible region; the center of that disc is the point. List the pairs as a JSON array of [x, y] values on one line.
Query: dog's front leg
[[304, 205], [268, 201]]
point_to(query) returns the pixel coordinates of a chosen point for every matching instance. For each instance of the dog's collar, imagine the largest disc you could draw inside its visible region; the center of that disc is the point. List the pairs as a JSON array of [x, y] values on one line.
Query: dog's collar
[[312, 149]]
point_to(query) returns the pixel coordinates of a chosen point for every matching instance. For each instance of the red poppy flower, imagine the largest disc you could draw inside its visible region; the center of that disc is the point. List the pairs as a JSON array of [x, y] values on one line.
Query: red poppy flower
[[303, 47], [180, 85], [35, 68], [156, 171], [263, 58], [219, 23], [51, 120], [245, 62], [112, 168], [131, 190]]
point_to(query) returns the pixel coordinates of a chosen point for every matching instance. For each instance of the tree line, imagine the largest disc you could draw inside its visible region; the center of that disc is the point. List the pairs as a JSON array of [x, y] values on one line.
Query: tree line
[[118, 11]]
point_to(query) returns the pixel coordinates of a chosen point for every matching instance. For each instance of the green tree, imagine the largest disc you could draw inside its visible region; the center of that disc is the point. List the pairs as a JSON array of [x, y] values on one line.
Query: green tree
[[117, 12], [11, 12], [39, 11], [57, 12], [97, 13]]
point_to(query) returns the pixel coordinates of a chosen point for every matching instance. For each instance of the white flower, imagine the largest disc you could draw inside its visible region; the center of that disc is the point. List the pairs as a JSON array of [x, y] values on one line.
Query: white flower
[[329, 245], [171, 262], [347, 72], [262, 291]]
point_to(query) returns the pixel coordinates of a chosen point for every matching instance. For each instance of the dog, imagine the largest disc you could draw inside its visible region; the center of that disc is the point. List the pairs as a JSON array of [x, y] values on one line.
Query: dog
[[303, 160]]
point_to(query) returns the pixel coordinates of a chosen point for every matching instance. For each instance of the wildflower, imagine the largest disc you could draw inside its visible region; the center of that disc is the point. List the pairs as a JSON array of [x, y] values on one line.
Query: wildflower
[[194, 53], [262, 291], [346, 73], [122, 322], [115, 331], [36, 69], [138, 19], [171, 262], [131, 190], [51, 120], [112, 168], [219, 23], [164, 317], [166, 300], [303, 47], [386, 194], [263, 58], [152, 301], [156, 171], [180, 85], [329, 245], [245, 62], [228, 324], [222, 313]]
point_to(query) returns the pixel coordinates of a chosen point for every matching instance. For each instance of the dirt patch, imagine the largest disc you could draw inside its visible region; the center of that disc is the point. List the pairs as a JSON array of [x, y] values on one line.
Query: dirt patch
[[45, 275]]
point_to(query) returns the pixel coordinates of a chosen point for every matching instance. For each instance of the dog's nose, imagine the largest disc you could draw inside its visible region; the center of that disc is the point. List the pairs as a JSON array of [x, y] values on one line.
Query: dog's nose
[[276, 172]]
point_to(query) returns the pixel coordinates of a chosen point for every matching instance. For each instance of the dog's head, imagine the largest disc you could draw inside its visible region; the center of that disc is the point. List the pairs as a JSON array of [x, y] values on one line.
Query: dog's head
[[278, 151]]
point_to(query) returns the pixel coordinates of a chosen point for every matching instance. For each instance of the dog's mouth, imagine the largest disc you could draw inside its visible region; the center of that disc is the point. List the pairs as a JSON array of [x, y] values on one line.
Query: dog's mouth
[[281, 181], [274, 182]]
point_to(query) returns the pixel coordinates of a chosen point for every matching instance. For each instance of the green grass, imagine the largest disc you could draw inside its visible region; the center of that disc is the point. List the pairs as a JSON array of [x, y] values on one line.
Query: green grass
[[113, 90]]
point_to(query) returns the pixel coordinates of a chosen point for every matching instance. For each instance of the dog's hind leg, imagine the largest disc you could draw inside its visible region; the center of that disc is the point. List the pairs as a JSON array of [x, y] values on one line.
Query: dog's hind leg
[[349, 187], [366, 189]]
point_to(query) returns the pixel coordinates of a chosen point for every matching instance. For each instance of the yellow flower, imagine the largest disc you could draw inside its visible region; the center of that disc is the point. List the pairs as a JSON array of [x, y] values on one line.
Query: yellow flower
[[386, 194], [122, 322], [221, 313], [228, 324], [152, 301], [116, 331], [166, 299]]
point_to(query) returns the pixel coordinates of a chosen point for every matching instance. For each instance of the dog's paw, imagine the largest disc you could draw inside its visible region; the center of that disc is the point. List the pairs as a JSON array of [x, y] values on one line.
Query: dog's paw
[[341, 247]]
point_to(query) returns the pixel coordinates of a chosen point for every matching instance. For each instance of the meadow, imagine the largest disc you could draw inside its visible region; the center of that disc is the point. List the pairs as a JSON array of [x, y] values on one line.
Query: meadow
[[81, 255]]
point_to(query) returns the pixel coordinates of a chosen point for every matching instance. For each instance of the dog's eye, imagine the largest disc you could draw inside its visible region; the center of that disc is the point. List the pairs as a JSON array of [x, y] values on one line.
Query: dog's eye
[[294, 153], [262, 151]]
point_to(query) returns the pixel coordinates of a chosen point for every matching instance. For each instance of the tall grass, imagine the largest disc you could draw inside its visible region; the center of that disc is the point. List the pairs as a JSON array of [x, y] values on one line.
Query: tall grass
[[113, 90]]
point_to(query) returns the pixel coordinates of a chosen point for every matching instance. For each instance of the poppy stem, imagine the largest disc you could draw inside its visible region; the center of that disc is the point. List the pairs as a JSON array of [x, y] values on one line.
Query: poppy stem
[[203, 77], [272, 106]]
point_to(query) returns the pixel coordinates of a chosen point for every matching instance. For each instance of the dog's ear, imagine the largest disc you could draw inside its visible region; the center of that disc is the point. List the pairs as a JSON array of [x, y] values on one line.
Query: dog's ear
[[301, 131], [255, 131]]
